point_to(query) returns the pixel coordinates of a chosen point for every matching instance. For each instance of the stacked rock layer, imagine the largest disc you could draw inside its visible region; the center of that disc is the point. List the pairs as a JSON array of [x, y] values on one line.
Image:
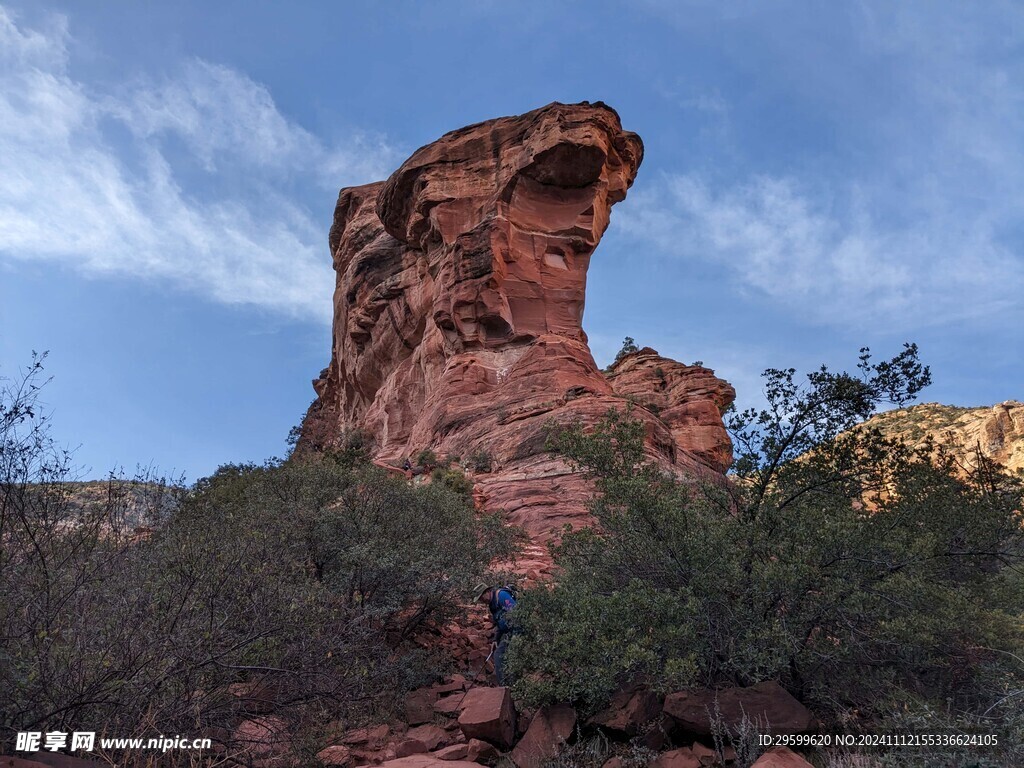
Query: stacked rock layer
[[458, 314]]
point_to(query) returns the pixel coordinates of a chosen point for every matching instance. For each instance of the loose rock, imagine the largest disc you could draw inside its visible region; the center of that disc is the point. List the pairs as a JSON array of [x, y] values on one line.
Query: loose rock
[[780, 757], [768, 705], [628, 712], [550, 728], [337, 756], [488, 715]]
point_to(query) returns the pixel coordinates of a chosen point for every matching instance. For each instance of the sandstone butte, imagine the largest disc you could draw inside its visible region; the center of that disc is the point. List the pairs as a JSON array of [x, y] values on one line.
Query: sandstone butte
[[458, 312]]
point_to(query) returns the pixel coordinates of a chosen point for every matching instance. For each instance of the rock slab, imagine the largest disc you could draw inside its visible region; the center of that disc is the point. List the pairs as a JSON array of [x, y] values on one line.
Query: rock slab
[[628, 712], [768, 705], [488, 715], [427, 761], [549, 730]]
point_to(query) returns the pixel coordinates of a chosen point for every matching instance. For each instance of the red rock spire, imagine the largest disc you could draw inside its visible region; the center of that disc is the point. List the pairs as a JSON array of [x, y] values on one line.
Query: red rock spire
[[459, 304]]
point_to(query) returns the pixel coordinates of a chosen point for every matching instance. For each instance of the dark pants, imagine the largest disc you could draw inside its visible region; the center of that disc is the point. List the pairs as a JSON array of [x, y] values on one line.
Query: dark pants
[[499, 660]]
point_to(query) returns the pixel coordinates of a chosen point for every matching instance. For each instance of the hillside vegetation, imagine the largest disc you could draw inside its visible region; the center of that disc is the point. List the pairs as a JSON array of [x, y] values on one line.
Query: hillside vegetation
[[302, 588], [903, 616], [996, 432], [305, 582]]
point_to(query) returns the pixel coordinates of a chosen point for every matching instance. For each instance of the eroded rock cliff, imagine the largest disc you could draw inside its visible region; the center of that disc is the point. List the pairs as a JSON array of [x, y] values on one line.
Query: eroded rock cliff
[[458, 313], [997, 431]]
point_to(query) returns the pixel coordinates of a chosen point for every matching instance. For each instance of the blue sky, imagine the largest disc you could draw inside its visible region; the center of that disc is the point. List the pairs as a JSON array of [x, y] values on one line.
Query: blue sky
[[818, 177]]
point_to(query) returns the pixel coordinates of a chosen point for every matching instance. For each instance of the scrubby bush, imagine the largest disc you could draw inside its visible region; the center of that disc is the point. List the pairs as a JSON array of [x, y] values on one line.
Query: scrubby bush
[[480, 461], [454, 480], [860, 573], [427, 459], [306, 580]]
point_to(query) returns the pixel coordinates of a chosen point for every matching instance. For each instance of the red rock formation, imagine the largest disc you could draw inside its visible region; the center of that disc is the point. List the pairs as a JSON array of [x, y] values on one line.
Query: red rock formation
[[767, 704], [458, 313], [689, 399], [996, 432]]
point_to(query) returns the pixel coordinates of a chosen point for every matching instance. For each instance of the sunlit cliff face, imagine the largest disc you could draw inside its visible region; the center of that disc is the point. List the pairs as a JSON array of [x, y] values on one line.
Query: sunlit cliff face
[[508, 220]]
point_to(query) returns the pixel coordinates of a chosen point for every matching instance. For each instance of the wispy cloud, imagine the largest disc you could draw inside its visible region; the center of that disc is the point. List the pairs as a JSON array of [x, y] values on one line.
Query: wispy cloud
[[188, 179], [845, 266], [912, 217]]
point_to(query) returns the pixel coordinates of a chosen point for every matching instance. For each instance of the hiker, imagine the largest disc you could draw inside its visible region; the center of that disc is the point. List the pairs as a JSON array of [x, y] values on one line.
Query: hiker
[[500, 601]]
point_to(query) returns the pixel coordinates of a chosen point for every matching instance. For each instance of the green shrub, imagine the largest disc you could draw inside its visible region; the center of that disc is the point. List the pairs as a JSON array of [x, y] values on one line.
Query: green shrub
[[454, 480], [427, 459], [309, 579], [480, 461], [854, 570]]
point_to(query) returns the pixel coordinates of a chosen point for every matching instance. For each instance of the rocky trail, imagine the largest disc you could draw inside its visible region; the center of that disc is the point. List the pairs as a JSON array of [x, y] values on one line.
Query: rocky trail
[[462, 722]]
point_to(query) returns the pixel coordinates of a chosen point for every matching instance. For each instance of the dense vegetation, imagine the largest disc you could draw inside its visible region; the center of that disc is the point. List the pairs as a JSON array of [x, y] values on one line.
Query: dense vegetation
[[872, 581], [305, 580], [880, 584]]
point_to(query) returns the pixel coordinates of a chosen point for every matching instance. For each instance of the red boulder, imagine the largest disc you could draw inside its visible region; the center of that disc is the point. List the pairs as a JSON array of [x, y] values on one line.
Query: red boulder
[[628, 711], [678, 758], [426, 761], [374, 737], [419, 706], [781, 757], [431, 735], [768, 705], [336, 756], [407, 747], [488, 715], [550, 728], [263, 739], [454, 752], [481, 752]]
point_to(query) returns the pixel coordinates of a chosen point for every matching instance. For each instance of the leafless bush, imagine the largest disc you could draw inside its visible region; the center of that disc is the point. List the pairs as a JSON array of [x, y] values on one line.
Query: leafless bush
[[292, 590]]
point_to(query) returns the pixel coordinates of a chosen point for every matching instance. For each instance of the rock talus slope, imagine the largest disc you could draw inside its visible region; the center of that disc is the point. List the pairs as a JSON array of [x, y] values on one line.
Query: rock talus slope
[[458, 313]]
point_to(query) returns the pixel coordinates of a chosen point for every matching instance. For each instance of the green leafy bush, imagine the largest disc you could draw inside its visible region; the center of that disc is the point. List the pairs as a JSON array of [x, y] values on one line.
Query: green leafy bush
[[454, 480], [427, 459], [856, 571], [480, 461]]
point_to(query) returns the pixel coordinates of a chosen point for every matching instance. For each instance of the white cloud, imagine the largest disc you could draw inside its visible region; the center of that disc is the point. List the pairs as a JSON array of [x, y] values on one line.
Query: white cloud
[[845, 267], [910, 215], [220, 113], [74, 194]]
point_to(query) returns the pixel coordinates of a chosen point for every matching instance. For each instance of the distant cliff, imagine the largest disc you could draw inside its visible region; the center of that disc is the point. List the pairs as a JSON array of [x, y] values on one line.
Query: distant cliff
[[996, 431]]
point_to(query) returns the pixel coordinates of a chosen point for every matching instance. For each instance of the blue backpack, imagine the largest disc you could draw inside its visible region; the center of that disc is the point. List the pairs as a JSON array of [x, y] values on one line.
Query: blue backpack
[[502, 601]]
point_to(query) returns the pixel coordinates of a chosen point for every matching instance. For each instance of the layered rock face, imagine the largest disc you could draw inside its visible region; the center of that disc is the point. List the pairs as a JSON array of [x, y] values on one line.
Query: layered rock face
[[689, 399], [458, 313], [997, 431]]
